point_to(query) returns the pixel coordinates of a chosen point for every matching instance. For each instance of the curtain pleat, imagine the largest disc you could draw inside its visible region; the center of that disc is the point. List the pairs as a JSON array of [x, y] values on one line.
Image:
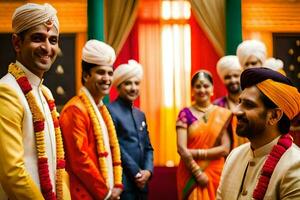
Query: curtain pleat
[[211, 17], [119, 17]]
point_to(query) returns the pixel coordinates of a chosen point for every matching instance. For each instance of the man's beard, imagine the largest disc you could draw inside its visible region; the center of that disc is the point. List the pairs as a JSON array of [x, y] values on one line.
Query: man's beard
[[233, 90], [249, 129]]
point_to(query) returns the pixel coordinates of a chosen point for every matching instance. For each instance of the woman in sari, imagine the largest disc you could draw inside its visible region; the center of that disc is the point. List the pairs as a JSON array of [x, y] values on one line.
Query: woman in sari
[[202, 142]]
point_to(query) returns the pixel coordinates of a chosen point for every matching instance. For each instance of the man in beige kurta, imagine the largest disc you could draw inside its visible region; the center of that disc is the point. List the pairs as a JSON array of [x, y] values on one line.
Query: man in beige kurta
[[267, 104]]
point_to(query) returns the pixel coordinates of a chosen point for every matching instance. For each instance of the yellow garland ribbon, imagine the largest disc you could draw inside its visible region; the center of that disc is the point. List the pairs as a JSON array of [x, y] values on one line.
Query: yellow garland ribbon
[[113, 141]]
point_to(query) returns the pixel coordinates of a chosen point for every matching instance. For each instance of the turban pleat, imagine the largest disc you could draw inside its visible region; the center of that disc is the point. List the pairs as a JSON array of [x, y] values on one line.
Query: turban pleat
[[228, 64], [98, 53], [251, 48], [284, 96], [127, 71], [31, 14], [277, 87]]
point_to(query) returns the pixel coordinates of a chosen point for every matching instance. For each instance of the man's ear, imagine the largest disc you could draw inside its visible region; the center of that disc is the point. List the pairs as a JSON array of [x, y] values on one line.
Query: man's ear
[[85, 75], [275, 115], [16, 42]]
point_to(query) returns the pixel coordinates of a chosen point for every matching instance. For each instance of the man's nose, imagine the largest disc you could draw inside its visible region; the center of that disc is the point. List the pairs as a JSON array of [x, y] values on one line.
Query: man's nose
[[46, 46]]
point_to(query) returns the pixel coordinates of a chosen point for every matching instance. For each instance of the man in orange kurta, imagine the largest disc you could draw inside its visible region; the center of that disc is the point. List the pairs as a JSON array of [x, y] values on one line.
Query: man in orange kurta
[[92, 150]]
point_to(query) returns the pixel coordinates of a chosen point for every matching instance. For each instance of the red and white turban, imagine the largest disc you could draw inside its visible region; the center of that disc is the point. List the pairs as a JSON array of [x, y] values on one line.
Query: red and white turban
[[251, 48], [99, 53], [127, 71], [228, 64], [32, 14]]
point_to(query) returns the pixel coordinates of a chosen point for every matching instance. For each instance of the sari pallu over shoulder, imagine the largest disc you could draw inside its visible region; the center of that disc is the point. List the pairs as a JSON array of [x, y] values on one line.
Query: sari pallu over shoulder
[[203, 135]]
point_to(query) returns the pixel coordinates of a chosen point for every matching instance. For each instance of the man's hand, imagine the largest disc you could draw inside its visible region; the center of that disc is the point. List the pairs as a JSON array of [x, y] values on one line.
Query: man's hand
[[141, 178], [115, 193]]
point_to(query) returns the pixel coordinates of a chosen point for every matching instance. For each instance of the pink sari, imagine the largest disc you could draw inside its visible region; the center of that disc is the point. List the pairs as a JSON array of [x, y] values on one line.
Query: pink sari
[[202, 135]]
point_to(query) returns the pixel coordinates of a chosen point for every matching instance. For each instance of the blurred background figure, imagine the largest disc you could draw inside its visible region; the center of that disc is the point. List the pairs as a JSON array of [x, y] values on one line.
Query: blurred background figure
[[275, 64], [132, 132], [251, 53], [229, 71]]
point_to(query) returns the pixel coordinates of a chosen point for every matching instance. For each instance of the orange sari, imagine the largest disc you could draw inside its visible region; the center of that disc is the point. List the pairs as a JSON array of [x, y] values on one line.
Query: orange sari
[[203, 135]]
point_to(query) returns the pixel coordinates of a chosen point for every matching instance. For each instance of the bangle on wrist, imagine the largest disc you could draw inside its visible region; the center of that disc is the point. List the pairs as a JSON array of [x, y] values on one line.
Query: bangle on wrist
[[198, 172], [205, 154], [200, 153]]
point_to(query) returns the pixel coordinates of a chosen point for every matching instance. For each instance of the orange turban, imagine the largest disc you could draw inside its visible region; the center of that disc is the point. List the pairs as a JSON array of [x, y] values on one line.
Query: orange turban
[[284, 96], [277, 87]]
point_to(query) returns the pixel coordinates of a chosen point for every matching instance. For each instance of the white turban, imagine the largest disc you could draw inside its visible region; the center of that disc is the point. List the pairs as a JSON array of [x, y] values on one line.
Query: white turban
[[99, 53], [31, 14], [274, 64], [227, 64], [251, 48], [127, 71]]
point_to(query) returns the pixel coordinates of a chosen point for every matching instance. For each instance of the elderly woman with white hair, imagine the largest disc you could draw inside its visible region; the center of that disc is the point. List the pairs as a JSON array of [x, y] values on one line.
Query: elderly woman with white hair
[[132, 131], [251, 53]]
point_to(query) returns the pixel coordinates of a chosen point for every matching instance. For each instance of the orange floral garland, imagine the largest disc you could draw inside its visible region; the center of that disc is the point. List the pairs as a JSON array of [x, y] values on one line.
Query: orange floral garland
[[38, 123], [113, 141]]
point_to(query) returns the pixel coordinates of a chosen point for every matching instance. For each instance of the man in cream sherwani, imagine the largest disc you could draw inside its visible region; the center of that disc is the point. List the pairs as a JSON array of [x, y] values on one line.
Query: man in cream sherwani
[[269, 166], [35, 41]]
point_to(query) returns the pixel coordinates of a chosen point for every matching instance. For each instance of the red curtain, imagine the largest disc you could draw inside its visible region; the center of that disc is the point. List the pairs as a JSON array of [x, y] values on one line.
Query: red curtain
[[204, 56], [129, 50]]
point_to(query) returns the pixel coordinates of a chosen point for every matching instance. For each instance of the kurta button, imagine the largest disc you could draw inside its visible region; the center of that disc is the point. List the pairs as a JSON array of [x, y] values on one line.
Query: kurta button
[[252, 163], [244, 192]]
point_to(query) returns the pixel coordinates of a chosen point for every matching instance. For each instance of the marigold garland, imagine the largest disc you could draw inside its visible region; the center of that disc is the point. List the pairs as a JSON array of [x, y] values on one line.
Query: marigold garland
[[113, 141], [284, 142], [39, 125]]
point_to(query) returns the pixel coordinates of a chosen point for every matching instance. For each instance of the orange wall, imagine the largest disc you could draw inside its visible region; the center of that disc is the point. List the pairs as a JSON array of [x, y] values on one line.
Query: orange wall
[[261, 18]]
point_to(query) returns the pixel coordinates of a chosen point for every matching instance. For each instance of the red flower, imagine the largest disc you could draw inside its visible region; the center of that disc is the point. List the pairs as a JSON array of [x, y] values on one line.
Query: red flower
[[51, 104], [116, 163], [61, 164], [38, 126], [103, 154], [24, 84], [278, 150]]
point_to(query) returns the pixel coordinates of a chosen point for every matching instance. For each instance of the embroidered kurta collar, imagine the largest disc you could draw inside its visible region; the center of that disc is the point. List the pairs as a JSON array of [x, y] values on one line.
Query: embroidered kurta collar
[[266, 149], [32, 78]]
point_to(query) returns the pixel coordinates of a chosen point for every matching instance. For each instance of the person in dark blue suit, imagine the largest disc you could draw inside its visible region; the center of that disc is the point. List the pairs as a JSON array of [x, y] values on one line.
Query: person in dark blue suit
[[132, 132]]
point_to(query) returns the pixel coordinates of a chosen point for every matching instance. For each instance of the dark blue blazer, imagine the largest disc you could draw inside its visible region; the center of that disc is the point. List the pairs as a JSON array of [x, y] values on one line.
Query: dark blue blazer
[[133, 136]]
